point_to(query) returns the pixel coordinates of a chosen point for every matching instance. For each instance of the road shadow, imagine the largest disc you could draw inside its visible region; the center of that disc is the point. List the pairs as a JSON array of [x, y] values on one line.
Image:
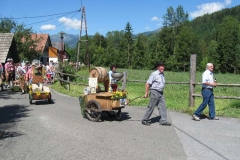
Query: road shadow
[[7, 94], [155, 119], [42, 102], [9, 116], [124, 116]]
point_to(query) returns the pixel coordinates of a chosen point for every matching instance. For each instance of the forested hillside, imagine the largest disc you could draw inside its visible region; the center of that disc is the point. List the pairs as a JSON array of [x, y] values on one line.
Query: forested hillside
[[213, 37]]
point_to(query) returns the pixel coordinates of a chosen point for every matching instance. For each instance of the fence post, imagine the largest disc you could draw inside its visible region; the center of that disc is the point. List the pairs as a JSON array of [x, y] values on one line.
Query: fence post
[[192, 80], [68, 83]]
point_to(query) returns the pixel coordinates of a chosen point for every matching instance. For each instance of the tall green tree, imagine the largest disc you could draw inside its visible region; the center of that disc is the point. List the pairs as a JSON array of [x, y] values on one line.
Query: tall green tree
[[140, 53], [116, 49], [174, 17], [130, 42], [228, 48], [26, 47]]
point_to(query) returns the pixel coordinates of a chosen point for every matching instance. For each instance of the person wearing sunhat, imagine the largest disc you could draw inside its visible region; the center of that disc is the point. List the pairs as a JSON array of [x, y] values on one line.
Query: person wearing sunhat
[[154, 87], [9, 71]]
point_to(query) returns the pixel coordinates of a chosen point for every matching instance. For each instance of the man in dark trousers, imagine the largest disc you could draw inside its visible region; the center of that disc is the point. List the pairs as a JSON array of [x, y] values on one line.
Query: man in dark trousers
[[207, 93], [155, 84]]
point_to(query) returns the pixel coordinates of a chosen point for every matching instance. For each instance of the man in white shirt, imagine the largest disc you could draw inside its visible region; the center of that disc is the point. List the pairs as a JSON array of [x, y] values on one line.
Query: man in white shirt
[[207, 93]]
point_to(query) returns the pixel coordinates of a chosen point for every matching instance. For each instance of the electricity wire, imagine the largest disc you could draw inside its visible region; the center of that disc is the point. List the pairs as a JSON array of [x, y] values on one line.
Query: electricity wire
[[60, 15], [53, 18], [65, 13]]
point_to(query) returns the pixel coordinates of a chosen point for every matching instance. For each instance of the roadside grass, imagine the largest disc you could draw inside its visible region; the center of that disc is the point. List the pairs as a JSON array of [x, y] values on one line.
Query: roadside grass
[[176, 95]]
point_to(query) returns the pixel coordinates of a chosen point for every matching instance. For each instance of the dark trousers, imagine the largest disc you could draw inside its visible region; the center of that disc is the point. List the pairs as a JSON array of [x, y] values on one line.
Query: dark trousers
[[208, 99]]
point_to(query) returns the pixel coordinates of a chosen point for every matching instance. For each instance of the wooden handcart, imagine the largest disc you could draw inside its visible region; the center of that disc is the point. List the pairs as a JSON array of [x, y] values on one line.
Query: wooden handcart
[[38, 90], [93, 104]]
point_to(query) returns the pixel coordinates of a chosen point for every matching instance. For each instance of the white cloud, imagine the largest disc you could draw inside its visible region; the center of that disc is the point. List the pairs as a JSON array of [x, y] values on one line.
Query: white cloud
[[155, 18], [48, 27], [209, 8], [71, 23], [148, 28]]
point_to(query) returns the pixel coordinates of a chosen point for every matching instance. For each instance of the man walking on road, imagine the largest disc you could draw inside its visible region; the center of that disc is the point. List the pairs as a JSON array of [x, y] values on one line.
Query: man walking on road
[[156, 83], [207, 93]]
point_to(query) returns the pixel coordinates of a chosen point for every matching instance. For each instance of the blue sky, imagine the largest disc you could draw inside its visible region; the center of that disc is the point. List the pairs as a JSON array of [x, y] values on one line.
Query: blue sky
[[102, 15]]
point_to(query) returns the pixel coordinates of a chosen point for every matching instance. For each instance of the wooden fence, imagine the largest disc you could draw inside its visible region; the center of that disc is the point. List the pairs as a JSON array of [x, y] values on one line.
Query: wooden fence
[[192, 83]]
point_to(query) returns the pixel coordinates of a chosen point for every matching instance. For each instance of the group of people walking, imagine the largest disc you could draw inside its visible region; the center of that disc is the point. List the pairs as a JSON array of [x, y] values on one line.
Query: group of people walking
[[155, 89], [22, 75]]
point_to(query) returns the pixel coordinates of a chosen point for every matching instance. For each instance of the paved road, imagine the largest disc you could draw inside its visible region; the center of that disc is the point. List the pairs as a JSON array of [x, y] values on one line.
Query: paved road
[[58, 131]]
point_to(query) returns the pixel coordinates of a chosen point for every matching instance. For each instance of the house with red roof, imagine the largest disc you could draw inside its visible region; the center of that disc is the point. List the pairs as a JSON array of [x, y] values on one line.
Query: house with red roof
[[43, 44]]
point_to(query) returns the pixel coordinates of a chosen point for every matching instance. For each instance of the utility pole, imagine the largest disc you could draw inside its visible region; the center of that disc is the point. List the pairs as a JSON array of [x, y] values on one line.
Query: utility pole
[[62, 48], [87, 56]]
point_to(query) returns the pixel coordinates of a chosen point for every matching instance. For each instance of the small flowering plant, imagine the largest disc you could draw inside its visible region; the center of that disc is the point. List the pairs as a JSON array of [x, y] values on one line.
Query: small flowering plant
[[119, 95]]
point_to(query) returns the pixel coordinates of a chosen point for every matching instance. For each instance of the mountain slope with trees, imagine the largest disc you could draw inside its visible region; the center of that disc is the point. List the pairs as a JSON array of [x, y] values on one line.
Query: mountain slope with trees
[[213, 37]]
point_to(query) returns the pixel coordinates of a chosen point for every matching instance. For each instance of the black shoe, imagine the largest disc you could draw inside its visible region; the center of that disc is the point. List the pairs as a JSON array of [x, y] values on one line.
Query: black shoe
[[147, 123], [165, 123]]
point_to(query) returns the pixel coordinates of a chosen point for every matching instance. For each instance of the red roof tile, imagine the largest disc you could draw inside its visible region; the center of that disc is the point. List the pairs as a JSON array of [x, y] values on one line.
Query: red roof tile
[[42, 42]]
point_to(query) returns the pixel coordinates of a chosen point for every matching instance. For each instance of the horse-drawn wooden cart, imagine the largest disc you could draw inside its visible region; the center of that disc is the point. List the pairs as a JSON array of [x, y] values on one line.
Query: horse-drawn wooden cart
[[94, 103], [38, 90]]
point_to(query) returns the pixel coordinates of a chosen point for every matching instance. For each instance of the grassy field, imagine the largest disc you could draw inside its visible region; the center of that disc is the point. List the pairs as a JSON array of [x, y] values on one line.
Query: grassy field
[[176, 95]]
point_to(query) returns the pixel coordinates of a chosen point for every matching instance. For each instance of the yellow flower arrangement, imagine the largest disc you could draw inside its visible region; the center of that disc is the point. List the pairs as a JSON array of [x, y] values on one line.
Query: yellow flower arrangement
[[119, 95], [30, 92], [38, 93], [30, 86], [47, 93]]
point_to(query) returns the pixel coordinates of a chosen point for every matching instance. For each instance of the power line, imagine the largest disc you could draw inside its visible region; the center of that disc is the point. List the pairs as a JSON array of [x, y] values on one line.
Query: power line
[[65, 13], [65, 21], [58, 24], [52, 18]]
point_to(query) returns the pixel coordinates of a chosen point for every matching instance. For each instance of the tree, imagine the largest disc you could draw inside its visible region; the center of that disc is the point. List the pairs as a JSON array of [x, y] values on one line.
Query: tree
[[140, 53], [116, 49], [228, 48], [26, 47], [173, 18], [128, 36]]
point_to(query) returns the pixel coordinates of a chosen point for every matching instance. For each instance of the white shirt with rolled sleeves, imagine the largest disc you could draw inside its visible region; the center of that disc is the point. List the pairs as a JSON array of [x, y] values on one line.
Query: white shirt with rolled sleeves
[[207, 76]]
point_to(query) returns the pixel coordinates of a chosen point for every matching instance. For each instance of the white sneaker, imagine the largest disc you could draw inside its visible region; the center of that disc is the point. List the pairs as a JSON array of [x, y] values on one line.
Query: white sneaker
[[195, 117]]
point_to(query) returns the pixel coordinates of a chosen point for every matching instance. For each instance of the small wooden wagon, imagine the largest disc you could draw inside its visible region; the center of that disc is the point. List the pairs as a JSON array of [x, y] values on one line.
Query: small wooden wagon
[[93, 104], [37, 90]]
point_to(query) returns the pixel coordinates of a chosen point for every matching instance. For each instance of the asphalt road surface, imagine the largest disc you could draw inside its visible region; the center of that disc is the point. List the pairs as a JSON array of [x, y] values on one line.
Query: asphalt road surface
[[58, 131]]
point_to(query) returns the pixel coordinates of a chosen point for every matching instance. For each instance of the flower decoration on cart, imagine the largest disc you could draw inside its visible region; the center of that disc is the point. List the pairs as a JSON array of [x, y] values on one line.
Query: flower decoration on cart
[[119, 95], [38, 93]]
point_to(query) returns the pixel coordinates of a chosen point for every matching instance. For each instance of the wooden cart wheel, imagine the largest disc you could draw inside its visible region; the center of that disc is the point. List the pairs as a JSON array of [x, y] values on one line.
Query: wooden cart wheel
[[115, 113], [93, 111], [50, 98], [30, 99]]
